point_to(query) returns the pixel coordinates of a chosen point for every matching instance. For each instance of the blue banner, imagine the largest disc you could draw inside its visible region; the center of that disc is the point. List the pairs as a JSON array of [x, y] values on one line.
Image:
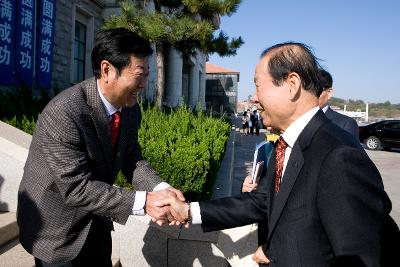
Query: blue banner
[[8, 10], [47, 18], [24, 46]]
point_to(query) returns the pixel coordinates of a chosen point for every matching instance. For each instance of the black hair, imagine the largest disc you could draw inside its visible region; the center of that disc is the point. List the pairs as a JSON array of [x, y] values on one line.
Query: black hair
[[116, 46], [325, 79], [293, 57]]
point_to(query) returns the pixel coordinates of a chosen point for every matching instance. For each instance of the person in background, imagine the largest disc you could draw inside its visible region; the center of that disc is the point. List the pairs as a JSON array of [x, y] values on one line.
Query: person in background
[[249, 121], [257, 122], [83, 138], [345, 122], [245, 123]]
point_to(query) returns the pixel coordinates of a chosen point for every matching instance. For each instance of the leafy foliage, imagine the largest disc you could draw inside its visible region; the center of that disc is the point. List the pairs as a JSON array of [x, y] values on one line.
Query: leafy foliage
[[24, 124], [187, 25], [20, 109], [379, 110], [186, 149], [20, 101]]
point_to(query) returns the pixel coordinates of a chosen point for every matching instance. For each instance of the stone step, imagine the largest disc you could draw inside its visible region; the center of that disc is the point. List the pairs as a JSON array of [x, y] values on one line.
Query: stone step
[[8, 227], [13, 254], [11, 251]]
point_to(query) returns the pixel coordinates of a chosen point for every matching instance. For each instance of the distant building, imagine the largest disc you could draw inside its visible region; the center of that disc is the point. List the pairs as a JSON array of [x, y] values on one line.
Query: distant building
[[47, 44], [221, 88], [245, 105]]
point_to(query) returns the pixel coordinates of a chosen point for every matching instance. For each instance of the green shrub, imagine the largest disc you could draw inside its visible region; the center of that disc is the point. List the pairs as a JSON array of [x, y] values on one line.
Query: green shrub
[[186, 149], [122, 182], [24, 124], [21, 102]]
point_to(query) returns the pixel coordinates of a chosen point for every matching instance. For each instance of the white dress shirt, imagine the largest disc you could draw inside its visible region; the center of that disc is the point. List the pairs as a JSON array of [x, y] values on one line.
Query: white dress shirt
[[290, 136], [140, 196]]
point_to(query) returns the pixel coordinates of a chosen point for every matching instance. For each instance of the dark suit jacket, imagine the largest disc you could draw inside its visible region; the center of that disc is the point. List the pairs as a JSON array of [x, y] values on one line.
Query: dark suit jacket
[[343, 121], [331, 203], [70, 170]]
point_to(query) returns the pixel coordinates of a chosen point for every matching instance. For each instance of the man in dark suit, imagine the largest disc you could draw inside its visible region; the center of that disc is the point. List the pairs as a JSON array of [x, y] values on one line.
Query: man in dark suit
[[322, 197], [343, 121], [83, 138]]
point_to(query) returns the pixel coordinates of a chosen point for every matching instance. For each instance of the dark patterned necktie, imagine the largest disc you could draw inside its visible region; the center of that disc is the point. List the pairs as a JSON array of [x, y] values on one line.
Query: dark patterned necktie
[[280, 156], [114, 126]]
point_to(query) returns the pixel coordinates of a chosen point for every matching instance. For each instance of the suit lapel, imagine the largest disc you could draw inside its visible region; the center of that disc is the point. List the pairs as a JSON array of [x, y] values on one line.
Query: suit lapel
[[100, 121], [293, 168], [270, 179], [294, 165]]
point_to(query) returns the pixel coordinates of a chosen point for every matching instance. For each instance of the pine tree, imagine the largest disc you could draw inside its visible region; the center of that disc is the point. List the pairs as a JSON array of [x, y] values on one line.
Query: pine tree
[[187, 25]]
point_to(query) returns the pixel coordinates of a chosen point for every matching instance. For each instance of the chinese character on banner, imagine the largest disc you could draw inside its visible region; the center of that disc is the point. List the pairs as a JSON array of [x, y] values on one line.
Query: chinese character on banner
[[45, 43], [8, 11], [24, 46], [45, 65]]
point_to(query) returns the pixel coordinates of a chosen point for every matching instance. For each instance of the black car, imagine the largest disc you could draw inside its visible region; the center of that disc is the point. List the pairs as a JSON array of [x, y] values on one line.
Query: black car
[[380, 135]]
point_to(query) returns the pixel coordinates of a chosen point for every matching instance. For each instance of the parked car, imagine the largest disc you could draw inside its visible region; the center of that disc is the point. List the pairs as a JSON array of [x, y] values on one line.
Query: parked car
[[380, 135]]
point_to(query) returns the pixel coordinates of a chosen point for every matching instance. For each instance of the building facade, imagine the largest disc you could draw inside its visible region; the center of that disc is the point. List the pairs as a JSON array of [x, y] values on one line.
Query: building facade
[[71, 27], [221, 89]]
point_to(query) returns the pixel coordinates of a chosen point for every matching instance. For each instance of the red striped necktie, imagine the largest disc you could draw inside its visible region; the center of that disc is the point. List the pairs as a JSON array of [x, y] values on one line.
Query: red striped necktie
[[280, 156], [114, 126]]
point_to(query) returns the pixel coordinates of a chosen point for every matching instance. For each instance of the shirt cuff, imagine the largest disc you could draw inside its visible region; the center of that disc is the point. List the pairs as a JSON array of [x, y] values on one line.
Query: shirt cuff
[[195, 210], [138, 205], [161, 186]]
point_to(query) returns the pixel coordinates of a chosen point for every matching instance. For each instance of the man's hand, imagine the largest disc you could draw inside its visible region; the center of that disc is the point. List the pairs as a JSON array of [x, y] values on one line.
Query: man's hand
[[248, 186], [160, 213], [179, 210], [260, 257], [180, 197], [178, 193]]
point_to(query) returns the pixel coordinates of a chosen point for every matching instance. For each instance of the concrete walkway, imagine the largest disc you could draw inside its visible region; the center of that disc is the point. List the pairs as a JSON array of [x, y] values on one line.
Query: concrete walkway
[[168, 246], [142, 243], [237, 244]]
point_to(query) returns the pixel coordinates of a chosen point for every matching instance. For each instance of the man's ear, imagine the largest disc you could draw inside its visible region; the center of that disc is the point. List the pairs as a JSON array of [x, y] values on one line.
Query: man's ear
[[329, 91], [107, 70], [293, 82]]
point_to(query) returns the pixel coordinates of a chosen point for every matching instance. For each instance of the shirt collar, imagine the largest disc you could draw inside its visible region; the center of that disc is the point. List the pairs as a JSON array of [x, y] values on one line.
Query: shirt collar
[[110, 109], [293, 131], [325, 108]]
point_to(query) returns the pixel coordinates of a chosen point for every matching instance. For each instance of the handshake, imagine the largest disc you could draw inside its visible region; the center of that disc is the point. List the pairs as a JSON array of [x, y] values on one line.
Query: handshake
[[168, 206]]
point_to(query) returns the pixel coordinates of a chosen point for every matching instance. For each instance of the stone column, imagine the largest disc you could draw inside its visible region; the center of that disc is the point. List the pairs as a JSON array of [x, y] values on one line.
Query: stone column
[[173, 90], [194, 85], [150, 92], [202, 89]]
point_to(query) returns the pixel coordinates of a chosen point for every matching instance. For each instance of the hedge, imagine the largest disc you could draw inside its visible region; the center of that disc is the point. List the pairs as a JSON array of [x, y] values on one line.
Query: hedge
[[185, 148]]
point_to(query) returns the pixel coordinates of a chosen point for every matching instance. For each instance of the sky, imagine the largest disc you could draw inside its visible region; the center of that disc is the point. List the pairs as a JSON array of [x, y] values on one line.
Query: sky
[[357, 41]]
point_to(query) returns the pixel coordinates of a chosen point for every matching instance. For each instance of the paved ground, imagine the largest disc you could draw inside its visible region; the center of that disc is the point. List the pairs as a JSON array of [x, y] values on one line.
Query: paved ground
[[242, 149], [388, 164]]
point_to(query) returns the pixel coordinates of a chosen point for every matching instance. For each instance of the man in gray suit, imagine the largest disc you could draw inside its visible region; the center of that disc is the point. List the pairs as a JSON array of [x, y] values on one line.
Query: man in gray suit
[[345, 122], [83, 138]]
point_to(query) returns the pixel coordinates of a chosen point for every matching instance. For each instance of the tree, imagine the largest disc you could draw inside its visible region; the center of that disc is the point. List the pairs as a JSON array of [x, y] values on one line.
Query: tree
[[187, 25]]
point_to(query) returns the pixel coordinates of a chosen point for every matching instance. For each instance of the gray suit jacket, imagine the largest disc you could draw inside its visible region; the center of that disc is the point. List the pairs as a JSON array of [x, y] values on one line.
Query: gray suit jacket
[[331, 205], [69, 174], [345, 122]]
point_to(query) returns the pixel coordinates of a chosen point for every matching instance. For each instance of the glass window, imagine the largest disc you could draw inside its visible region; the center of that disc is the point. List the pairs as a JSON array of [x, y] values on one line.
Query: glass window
[[393, 125], [79, 52]]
